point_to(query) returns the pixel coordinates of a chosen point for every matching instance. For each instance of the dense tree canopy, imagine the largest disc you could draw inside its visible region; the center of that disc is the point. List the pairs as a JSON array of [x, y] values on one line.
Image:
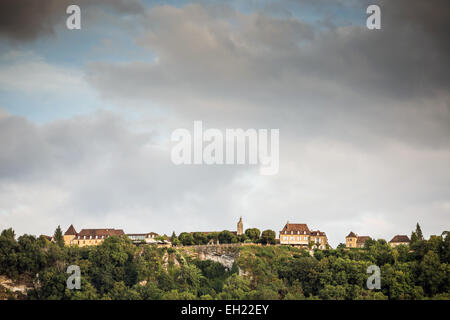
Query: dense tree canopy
[[118, 269]]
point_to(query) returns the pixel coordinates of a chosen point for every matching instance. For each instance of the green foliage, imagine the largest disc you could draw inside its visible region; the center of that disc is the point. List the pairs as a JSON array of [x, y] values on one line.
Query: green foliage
[[200, 238], [214, 236], [227, 237], [58, 237], [242, 238], [117, 269], [174, 239], [253, 234], [268, 237], [186, 239]]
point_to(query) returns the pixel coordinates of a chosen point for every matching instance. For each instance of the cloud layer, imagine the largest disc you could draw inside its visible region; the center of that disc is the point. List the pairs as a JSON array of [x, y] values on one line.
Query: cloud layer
[[364, 119]]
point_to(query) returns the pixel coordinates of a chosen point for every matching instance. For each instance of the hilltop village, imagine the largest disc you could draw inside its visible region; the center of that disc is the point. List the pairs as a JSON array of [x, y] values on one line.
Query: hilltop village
[[292, 234]]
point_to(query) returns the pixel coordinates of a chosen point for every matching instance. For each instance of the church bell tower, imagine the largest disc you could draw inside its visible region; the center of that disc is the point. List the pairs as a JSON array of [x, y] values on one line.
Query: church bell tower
[[240, 227]]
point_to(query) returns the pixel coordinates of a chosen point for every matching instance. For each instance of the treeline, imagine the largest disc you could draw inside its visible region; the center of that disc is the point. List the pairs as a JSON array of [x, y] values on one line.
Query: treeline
[[251, 235], [117, 269]]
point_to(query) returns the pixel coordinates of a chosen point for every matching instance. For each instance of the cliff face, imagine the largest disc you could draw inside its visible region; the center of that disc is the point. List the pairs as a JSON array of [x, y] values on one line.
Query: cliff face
[[13, 289], [223, 254]]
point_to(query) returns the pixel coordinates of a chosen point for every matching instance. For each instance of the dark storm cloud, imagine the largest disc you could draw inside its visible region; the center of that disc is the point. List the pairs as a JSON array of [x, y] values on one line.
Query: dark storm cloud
[[23, 20], [363, 116], [348, 82]]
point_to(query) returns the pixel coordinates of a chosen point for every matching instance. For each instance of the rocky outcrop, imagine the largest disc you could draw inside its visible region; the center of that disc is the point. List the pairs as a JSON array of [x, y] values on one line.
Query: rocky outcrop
[[223, 254], [13, 289]]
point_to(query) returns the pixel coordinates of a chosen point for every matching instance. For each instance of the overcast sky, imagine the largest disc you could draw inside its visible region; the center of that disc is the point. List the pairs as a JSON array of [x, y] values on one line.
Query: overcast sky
[[364, 115]]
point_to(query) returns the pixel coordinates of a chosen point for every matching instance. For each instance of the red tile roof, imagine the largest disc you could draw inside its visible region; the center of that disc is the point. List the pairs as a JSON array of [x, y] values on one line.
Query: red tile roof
[[318, 233], [400, 238], [71, 231], [351, 235], [302, 228], [362, 239], [100, 232]]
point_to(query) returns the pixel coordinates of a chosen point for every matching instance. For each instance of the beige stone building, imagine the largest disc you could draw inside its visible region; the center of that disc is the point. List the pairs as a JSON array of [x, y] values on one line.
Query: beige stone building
[[355, 241], [298, 234], [399, 240], [89, 237]]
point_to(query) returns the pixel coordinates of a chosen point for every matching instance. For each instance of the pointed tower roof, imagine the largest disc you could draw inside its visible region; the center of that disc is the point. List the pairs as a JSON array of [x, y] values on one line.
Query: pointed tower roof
[[71, 231], [351, 235]]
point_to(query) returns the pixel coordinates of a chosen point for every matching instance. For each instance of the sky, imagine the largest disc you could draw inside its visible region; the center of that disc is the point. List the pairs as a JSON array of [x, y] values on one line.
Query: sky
[[86, 115]]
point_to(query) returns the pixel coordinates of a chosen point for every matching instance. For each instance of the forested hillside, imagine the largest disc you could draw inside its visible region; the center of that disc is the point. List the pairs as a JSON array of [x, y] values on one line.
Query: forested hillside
[[118, 269]]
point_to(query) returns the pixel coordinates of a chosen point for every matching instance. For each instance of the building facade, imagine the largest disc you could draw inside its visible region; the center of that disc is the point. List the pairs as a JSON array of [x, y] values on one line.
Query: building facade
[[355, 241], [143, 237], [89, 237], [399, 240], [298, 234]]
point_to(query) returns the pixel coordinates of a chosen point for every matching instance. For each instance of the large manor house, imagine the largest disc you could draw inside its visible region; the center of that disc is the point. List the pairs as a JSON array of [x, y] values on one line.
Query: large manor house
[[292, 234]]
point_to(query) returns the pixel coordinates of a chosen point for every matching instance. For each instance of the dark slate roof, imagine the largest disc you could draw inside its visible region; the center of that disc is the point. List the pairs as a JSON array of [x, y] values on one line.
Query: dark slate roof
[[351, 235]]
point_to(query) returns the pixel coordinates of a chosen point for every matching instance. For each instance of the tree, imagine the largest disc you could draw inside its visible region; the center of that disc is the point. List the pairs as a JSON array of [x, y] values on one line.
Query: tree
[[253, 234], [235, 288], [242, 238], [113, 261], [186, 239], [58, 237], [227, 237], [214, 236], [121, 292], [268, 237], [200, 238], [149, 292], [432, 273], [174, 239], [416, 235], [419, 232], [8, 253], [30, 257], [369, 242], [192, 277]]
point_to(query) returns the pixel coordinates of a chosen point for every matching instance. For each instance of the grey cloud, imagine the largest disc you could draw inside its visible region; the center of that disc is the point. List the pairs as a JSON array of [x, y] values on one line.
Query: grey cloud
[[349, 81], [97, 169], [363, 117], [25, 20]]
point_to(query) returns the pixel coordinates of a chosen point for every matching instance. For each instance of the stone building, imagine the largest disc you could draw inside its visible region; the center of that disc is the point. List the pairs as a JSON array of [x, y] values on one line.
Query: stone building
[[298, 234], [89, 237], [355, 241], [399, 240]]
